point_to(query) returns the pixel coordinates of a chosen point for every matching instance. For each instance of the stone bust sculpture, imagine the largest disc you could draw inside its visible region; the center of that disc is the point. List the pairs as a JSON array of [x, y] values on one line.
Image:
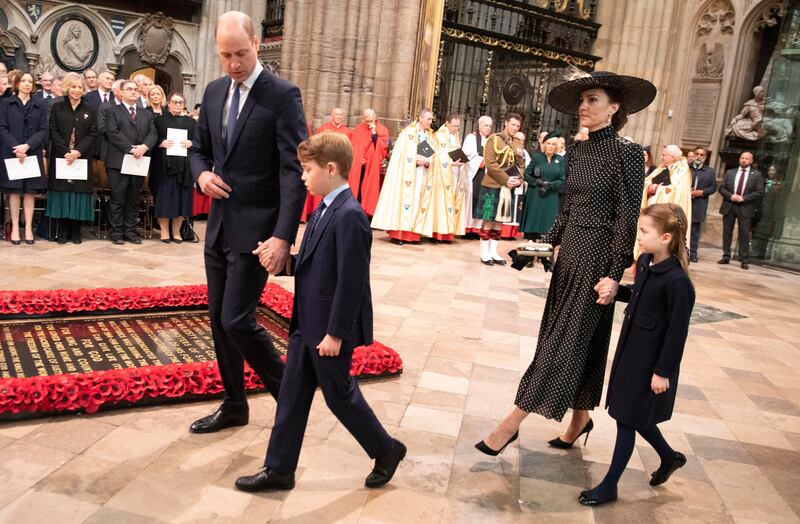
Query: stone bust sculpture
[[747, 124]]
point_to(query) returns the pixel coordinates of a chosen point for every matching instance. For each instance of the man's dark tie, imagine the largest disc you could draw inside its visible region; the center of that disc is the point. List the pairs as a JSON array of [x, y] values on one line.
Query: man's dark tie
[[740, 185], [105, 97], [312, 223], [133, 113], [233, 114]]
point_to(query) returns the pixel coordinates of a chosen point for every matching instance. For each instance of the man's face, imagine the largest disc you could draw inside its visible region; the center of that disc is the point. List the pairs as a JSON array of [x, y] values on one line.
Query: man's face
[[485, 128], [144, 84], [368, 117], [238, 54], [745, 159], [425, 121], [337, 116], [3, 83], [91, 79], [106, 80], [454, 125], [700, 156], [46, 80], [690, 157], [666, 158], [130, 92], [512, 126]]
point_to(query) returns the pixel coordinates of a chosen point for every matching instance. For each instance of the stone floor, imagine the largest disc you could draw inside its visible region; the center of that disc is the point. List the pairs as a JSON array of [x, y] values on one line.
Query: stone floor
[[466, 332]]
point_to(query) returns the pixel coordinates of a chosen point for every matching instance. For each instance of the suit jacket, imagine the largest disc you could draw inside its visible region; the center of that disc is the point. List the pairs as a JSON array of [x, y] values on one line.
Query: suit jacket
[[122, 133], [63, 120], [260, 163], [705, 179], [753, 191], [651, 341], [332, 292], [94, 99]]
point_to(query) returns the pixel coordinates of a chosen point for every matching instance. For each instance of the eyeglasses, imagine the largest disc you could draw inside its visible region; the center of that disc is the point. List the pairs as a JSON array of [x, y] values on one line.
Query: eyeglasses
[[130, 89], [176, 102]]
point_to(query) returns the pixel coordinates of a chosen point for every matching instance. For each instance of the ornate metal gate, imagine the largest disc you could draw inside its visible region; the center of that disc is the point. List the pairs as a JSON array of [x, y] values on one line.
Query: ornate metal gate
[[497, 56]]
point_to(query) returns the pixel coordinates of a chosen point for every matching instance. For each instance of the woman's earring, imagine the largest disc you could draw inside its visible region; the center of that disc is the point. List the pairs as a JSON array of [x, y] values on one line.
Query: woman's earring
[[609, 119]]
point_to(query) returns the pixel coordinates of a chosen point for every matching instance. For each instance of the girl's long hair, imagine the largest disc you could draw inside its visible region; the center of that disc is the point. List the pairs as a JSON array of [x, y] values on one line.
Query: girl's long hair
[[670, 218]]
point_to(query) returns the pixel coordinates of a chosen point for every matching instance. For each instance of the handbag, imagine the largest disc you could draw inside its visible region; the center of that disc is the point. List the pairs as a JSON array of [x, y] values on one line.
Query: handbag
[[504, 205], [187, 231]]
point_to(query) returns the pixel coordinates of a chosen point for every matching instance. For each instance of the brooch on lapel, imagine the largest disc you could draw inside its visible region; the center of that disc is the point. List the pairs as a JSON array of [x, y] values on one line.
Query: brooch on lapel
[[85, 116]]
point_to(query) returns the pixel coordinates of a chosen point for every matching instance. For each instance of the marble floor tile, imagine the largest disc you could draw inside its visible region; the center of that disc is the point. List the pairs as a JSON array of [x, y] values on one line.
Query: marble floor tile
[[432, 420], [36, 506]]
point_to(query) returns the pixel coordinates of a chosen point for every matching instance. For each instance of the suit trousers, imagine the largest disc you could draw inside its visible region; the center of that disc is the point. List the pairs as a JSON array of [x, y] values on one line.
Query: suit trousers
[[125, 191], [728, 221], [695, 238], [305, 370], [235, 283]]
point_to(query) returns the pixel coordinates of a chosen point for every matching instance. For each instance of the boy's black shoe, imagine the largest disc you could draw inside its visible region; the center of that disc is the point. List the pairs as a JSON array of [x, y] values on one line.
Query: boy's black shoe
[[385, 466], [265, 480]]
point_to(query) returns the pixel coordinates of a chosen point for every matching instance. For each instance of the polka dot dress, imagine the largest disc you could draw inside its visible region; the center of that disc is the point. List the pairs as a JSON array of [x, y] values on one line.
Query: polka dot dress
[[596, 229]]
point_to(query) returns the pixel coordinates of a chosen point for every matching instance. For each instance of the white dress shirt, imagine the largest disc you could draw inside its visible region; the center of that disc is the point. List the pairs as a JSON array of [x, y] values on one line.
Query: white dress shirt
[[738, 176], [244, 90]]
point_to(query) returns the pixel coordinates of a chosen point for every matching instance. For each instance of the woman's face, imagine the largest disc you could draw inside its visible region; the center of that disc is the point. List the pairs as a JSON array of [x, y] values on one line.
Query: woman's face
[[596, 109], [26, 84], [550, 146], [646, 158], [155, 98], [176, 105], [75, 91]]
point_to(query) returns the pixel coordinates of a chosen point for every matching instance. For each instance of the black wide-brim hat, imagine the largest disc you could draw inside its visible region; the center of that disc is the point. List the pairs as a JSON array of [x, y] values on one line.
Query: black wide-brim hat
[[637, 93]]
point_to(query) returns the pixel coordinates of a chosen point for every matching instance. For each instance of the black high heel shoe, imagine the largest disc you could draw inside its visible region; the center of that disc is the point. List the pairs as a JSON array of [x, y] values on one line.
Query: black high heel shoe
[[560, 444], [483, 448]]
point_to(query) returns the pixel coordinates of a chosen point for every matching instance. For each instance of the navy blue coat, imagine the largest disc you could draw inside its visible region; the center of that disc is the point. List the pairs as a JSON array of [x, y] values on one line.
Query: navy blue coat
[[332, 293], [23, 125], [704, 179], [653, 335], [260, 163]]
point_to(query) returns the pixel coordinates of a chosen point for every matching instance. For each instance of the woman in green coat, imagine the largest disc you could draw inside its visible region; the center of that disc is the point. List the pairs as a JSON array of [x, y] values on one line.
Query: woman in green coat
[[545, 176]]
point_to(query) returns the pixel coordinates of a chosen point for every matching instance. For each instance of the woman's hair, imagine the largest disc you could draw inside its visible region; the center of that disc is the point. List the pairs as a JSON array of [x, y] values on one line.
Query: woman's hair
[[670, 218], [620, 118], [14, 78], [156, 87], [176, 93], [71, 79]]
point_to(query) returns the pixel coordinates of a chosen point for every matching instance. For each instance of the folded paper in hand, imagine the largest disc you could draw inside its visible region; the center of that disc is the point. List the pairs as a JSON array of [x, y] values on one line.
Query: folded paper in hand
[[533, 249], [458, 155], [29, 168], [135, 166], [78, 170], [177, 136], [424, 149]]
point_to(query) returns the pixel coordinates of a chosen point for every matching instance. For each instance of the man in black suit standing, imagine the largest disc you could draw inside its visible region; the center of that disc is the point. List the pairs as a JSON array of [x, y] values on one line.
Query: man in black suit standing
[[741, 191], [704, 184], [103, 93], [128, 130], [245, 159]]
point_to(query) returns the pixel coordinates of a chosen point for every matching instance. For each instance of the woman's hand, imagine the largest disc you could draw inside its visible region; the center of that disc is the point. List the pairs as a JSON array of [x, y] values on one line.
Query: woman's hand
[[72, 156], [166, 144], [186, 144], [21, 150], [659, 384], [606, 289]]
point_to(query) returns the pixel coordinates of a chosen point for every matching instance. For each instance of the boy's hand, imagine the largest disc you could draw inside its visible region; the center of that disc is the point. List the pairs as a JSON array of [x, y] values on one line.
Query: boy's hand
[[330, 346], [659, 384]]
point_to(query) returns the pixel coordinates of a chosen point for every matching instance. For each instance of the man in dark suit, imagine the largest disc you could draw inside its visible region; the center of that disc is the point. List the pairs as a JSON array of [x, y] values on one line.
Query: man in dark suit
[[103, 93], [128, 130], [46, 81], [331, 316], [741, 191], [245, 159], [704, 184]]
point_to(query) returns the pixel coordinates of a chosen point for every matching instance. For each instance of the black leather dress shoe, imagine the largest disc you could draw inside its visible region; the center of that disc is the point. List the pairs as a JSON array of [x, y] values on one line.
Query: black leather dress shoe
[[385, 467], [133, 239], [724, 261], [265, 480], [745, 265], [117, 241], [693, 260], [660, 475], [219, 420]]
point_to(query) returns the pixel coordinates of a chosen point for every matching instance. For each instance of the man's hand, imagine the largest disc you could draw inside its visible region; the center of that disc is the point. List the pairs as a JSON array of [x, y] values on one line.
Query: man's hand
[[606, 289], [513, 181], [659, 384], [21, 150], [212, 185], [278, 257], [737, 198], [652, 188], [458, 163], [697, 193], [138, 151], [330, 346]]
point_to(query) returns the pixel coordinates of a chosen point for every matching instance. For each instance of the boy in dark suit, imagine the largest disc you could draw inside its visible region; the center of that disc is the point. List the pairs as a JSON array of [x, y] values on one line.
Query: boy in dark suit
[[331, 316]]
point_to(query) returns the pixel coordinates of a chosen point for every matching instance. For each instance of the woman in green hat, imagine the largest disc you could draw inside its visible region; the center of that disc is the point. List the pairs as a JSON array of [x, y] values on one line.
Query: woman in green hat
[[545, 176]]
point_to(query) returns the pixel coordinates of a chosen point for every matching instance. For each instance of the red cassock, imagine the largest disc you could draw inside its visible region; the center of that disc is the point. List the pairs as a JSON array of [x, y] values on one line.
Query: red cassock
[[313, 201], [370, 157]]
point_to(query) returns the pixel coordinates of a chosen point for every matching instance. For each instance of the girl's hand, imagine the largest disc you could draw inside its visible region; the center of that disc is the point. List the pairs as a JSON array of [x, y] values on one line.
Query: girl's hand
[[659, 384], [606, 289]]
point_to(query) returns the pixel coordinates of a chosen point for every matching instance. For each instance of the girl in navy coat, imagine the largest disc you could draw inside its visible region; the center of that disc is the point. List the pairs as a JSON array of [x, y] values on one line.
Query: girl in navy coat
[[644, 376], [23, 131]]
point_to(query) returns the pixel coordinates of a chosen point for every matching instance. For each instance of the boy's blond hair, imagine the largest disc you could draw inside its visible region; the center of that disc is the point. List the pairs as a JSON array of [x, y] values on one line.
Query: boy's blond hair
[[328, 147]]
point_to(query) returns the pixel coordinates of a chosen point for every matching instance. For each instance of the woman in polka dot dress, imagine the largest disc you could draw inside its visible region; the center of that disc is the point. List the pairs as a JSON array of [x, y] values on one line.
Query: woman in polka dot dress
[[596, 229]]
